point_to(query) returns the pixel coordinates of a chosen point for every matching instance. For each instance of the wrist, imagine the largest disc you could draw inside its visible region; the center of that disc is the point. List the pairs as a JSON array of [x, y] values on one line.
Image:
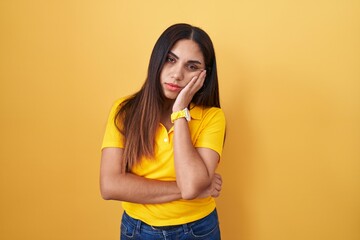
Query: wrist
[[177, 108], [184, 113]]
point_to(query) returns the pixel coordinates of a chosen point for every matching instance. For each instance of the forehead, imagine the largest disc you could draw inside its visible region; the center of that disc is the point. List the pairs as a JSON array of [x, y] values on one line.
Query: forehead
[[188, 50]]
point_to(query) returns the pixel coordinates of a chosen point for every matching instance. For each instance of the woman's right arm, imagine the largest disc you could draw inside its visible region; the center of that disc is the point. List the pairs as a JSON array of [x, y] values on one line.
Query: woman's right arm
[[116, 184]]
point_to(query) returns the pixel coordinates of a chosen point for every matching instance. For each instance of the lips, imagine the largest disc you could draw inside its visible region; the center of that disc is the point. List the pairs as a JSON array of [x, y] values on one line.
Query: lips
[[173, 87]]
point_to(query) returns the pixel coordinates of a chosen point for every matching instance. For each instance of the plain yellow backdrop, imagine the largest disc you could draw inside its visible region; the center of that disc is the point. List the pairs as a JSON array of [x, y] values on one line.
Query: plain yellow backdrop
[[290, 87]]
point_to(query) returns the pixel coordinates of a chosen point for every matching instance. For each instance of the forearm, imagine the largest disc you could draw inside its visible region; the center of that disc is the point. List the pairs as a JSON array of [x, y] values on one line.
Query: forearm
[[116, 184], [132, 188], [192, 175]]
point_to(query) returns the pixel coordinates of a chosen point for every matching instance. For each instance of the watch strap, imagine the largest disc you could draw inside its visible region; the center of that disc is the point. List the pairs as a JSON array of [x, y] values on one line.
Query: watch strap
[[185, 113]]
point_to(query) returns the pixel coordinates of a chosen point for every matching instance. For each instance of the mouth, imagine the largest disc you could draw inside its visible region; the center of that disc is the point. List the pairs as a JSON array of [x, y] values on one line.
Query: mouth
[[173, 87]]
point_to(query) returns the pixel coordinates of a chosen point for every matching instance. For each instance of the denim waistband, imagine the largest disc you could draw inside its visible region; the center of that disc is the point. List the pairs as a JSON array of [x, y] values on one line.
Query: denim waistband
[[140, 225]]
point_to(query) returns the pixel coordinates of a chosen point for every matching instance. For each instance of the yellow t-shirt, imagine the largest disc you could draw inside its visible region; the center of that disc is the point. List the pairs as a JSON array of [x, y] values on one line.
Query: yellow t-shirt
[[207, 129]]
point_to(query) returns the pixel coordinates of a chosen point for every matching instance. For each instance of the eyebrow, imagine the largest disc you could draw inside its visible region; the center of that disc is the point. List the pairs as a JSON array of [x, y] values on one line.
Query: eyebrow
[[190, 61]]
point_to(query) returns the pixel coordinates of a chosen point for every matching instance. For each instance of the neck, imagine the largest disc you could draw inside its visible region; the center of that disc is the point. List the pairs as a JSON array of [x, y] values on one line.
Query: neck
[[166, 113], [167, 106]]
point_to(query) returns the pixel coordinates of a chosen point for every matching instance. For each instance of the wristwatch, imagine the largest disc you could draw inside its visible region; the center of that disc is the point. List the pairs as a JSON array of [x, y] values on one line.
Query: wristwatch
[[185, 113]]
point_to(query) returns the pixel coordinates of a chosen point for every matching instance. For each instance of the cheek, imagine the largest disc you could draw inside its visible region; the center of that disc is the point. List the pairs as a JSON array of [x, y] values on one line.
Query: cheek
[[164, 72], [162, 76], [187, 80], [191, 75]]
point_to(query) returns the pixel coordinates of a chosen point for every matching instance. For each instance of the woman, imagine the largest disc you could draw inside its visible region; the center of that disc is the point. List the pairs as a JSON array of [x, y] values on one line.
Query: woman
[[162, 145]]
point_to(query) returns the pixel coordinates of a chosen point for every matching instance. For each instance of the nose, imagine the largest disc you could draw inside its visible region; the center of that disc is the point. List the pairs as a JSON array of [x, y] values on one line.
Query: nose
[[177, 73]]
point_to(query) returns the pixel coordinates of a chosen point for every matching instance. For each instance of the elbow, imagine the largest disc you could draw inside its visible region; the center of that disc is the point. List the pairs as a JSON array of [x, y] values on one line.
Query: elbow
[[106, 190], [190, 193], [188, 196], [105, 193], [110, 189], [106, 196]]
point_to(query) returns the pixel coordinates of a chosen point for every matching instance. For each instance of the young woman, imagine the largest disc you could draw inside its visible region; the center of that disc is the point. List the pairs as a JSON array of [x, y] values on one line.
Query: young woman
[[162, 145]]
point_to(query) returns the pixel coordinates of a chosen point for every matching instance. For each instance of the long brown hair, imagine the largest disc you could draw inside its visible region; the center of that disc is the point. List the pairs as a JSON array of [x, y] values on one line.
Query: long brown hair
[[138, 117]]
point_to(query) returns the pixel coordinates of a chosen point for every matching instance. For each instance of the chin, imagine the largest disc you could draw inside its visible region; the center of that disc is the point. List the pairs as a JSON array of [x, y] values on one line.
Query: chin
[[170, 96]]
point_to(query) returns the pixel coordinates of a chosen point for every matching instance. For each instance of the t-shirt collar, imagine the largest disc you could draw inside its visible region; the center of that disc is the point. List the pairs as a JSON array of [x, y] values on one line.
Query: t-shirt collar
[[196, 111]]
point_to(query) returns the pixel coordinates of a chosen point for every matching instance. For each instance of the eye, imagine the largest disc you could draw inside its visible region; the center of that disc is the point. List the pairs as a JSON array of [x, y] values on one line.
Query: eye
[[193, 67], [170, 59]]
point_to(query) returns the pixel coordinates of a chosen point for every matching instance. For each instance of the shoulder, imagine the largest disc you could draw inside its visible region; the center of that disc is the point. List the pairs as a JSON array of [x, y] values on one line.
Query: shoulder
[[214, 115], [121, 100], [207, 114], [118, 102], [212, 111], [116, 105]]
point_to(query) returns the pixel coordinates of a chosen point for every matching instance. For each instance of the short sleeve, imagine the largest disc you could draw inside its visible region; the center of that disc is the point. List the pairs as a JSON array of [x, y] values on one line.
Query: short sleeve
[[112, 136], [212, 133]]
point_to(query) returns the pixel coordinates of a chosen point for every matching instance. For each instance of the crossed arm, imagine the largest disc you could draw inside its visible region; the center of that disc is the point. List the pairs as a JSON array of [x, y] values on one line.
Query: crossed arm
[[194, 167], [116, 184]]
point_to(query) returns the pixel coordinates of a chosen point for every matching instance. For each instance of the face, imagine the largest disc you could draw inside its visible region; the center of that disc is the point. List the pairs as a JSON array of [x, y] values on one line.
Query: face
[[184, 61]]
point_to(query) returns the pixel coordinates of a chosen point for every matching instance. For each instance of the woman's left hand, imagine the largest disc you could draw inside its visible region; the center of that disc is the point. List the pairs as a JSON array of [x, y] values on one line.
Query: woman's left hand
[[187, 93], [214, 188]]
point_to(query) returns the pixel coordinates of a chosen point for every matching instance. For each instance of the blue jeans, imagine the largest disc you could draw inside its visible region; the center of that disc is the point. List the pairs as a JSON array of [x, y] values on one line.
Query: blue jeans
[[206, 228]]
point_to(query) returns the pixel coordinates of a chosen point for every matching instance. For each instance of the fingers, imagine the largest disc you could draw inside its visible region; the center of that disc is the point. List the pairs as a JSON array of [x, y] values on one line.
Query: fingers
[[217, 185], [188, 92], [197, 82], [215, 194], [218, 178]]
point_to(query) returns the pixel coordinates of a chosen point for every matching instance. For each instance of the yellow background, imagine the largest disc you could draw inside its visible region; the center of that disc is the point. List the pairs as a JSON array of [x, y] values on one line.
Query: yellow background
[[290, 87]]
